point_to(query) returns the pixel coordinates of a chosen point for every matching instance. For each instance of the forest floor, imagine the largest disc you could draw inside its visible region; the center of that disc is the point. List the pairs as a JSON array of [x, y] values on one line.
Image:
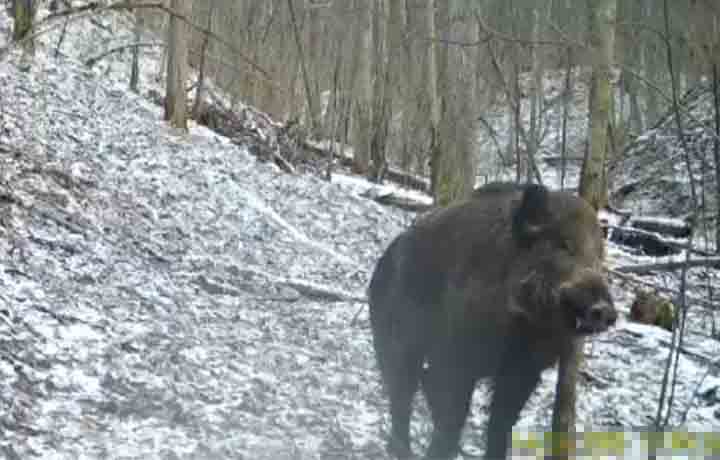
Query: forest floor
[[165, 295]]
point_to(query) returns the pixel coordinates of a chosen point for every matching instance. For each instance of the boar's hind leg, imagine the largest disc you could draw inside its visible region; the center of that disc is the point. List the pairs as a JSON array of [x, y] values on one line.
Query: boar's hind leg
[[448, 386], [402, 376], [400, 362], [512, 387]]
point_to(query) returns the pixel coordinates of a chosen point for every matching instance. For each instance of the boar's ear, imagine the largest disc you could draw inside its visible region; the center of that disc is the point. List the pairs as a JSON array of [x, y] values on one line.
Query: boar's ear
[[531, 214]]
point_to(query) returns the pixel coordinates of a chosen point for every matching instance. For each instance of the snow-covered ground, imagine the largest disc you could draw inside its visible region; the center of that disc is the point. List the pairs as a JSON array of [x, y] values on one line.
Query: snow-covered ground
[[164, 295]]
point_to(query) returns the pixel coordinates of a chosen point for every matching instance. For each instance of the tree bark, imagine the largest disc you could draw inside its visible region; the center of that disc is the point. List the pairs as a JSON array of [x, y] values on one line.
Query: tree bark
[[536, 99], [362, 88], [311, 98], [23, 12], [593, 188], [178, 36], [563, 420], [382, 93], [433, 95], [593, 181], [135, 66], [567, 101], [451, 175], [197, 107]]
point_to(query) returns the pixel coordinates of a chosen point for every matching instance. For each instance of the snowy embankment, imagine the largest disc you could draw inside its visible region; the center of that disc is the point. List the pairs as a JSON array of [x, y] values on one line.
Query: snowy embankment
[[166, 296]]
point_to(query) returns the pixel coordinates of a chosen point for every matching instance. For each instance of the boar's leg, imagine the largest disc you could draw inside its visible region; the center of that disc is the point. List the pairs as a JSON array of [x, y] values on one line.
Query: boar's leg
[[512, 386], [399, 356], [448, 386], [401, 372]]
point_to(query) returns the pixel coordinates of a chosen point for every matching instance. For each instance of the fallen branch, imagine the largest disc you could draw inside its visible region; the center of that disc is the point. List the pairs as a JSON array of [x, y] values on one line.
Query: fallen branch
[[674, 293], [672, 228], [282, 163], [305, 288], [712, 262], [402, 202], [395, 175], [649, 243], [93, 60]]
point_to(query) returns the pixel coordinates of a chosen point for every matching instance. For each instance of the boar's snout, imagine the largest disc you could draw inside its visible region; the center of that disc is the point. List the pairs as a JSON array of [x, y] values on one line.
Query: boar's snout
[[591, 305], [598, 317]]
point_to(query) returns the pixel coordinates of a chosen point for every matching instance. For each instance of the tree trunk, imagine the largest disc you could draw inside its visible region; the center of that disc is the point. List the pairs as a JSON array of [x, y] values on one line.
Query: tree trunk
[[178, 36], [197, 107], [593, 180], [716, 151], [24, 14], [536, 99], [381, 87], [567, 101], [450, 177], [650, 67], [593, 188], [135, 66], [311, 99], [432, 93], [362, 89], [563, 419], [695, 42]]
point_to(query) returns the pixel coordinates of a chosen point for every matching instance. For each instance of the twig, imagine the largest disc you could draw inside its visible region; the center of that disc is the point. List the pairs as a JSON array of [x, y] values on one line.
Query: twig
[[61, 39], [93, 60], [716, 152], [515, 103], [683, 417], [681, 314], [97, 7]]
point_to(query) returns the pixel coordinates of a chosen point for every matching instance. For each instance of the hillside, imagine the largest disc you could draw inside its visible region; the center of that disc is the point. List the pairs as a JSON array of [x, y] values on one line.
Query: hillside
[[653, 175], [165, 295]]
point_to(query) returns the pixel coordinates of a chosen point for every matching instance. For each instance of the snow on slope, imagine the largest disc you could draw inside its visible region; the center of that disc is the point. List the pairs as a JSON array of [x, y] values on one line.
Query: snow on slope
[[153, 299]]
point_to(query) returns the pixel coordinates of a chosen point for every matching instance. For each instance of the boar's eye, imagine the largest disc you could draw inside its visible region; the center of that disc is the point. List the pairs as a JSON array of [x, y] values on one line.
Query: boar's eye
[[565, 245]]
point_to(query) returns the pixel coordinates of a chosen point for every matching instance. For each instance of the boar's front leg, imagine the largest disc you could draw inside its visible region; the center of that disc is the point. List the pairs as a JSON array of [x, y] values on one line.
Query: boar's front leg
[[515, 381], [448, 385]]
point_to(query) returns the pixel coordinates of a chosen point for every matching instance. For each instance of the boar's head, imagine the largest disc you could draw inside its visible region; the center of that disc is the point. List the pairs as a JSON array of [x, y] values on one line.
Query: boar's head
[[556, 279]]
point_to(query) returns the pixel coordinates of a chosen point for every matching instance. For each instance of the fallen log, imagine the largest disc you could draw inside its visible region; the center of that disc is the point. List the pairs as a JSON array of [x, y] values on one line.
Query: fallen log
[[675, 228], [644, 269], [646, 242], [402, 202], [630, 278], [556, 161], [395, 175]]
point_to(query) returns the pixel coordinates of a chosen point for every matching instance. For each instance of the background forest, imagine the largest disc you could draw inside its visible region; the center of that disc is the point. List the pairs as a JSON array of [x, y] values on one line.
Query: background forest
[[193, 195]]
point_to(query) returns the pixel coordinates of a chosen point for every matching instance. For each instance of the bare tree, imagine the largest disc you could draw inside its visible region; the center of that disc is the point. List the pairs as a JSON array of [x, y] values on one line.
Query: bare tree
[[716, 149], [363, 95], [23, 12], [177, 66], [593, 180], [311, 96], [451, 176], [386, 39], [593, 188], [197, 106], [433, 94], [135, 65]]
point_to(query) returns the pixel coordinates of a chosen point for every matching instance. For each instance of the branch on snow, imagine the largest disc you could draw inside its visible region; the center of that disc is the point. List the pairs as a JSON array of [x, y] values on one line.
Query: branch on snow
[[711, 262], [402, 202], [673, 292], [93, 60], [305, 288]]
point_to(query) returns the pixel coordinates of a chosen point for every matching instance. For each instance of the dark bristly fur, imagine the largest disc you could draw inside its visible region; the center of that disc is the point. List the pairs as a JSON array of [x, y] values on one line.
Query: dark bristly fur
[[493, 287]]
